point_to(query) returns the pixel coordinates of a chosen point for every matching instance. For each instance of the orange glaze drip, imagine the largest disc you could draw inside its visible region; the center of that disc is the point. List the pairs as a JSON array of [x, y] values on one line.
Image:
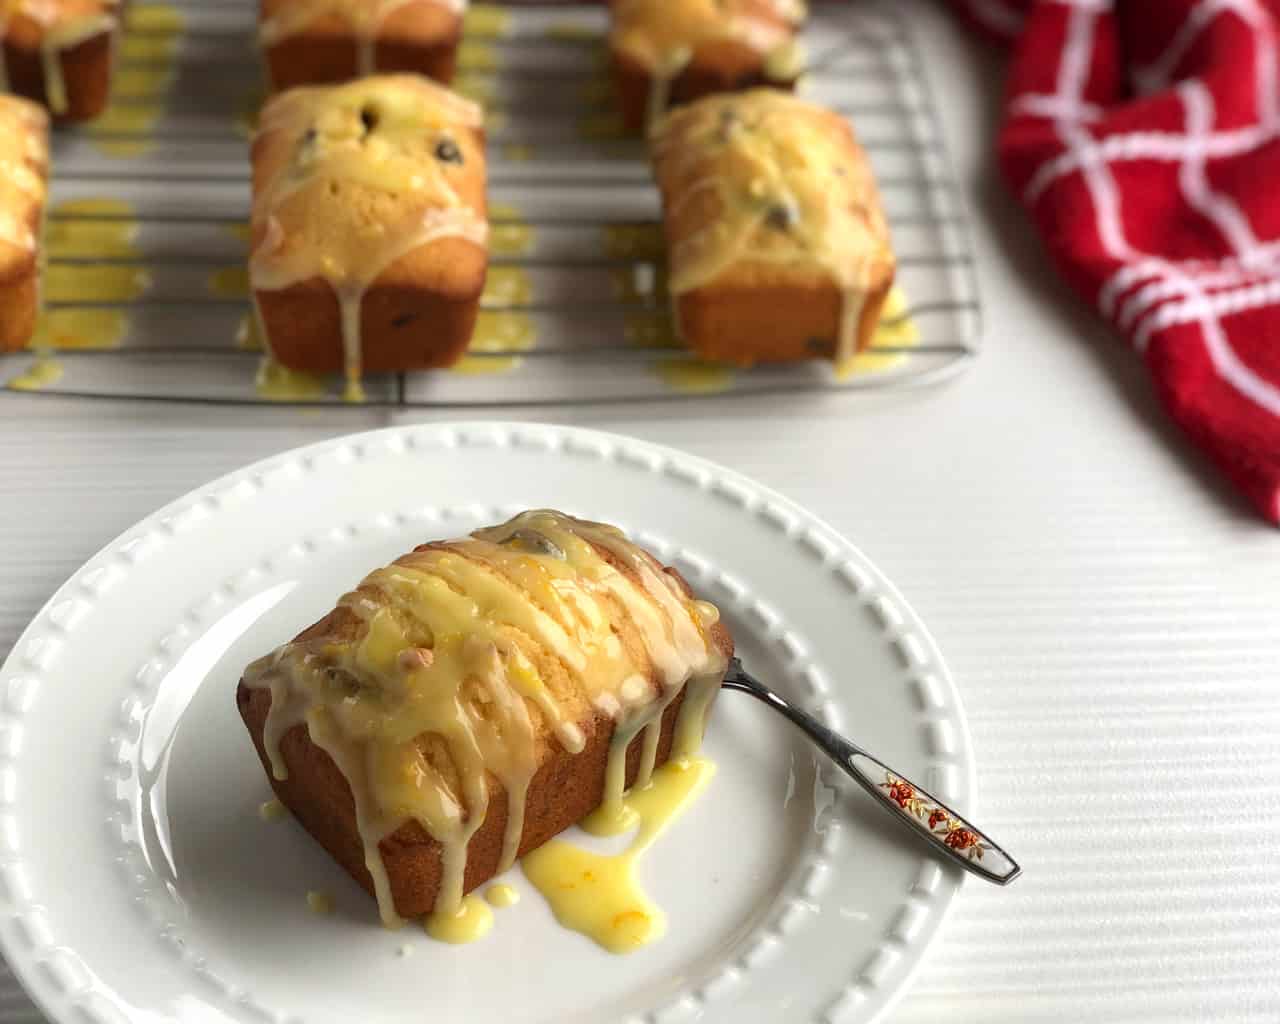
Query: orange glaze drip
[[366, 17], [663, 36], [762, 177], [63, 24], [350, 178]]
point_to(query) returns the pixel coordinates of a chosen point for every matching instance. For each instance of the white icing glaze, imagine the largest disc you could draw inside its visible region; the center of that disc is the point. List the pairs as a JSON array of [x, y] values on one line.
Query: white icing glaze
[[64, 25], [663, 36], [469, 658], [363, 183], [764, 178], [365, 17]]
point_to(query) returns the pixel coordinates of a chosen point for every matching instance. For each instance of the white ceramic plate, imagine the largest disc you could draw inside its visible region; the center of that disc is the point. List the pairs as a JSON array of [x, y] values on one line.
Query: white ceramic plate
[[137, 883]]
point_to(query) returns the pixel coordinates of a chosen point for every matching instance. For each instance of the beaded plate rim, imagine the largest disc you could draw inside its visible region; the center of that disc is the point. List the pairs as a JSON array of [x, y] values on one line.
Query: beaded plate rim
[[63, 985]]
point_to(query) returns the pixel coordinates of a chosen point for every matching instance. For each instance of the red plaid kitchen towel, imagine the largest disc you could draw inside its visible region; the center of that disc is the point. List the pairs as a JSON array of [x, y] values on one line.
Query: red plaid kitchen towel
[[1143, 136]]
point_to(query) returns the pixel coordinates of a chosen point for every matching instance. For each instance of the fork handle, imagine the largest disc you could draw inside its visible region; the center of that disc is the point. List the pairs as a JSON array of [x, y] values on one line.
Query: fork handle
[[950, 834]]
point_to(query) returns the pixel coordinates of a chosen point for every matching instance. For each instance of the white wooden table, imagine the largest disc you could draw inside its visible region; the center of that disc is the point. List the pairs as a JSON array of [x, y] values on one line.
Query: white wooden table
[[1110, 609]]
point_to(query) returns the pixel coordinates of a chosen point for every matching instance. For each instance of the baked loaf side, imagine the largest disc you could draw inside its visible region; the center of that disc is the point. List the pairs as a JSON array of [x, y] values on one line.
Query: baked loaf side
[[369, 230], [24, 171], [778, 248], [60, 53], [563, 790], [308, 42], [669, 52], [473, 699]]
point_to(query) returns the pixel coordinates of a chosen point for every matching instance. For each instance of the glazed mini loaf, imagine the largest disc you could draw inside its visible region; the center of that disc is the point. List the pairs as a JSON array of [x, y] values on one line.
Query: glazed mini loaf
[[308, 42], [476, 697], [24, 171], [778, 248], [60, 53], [666, 52], [369, 230]]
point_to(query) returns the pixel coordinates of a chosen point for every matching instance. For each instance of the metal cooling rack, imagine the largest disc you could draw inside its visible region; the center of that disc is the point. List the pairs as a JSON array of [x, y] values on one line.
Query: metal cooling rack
[[575, 310]]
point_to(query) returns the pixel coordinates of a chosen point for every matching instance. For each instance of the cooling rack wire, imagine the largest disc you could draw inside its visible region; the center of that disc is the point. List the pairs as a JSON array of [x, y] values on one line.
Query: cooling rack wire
[[146, 288]]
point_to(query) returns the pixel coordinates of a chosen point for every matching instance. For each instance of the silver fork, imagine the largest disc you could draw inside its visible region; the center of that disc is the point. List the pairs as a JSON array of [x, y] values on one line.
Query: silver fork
[[948, 834]]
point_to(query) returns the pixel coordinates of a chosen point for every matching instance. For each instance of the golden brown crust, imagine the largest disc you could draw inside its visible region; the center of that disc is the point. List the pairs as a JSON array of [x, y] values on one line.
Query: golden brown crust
[[418, 37], [563, 791], [418, 315], [744, 323], [722, 46], [565, 788], [86, 70], [19, 308], [724, 66]]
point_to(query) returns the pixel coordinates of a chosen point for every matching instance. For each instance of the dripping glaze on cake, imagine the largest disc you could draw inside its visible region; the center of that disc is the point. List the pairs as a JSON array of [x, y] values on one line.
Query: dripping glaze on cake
[[24, 172], [359, 176], [24, 169], [764, 178], [62, 25], [471, 664], [663, 36], [285, 19]]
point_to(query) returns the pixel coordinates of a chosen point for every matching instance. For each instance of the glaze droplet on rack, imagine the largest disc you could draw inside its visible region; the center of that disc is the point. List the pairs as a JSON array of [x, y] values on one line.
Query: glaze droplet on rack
[[94, 257], [143, 80]]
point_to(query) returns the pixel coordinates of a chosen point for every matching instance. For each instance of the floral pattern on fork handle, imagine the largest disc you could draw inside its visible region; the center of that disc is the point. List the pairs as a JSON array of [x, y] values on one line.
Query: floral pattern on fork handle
[[939, 821], [934, 819]]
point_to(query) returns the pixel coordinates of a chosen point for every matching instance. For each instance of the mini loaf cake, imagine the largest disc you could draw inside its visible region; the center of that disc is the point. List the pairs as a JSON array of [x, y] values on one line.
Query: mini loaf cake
[[476, 697], [309, 42], [369, 230], [666, 52], [24, 170], [778, 249], [60, 53]]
